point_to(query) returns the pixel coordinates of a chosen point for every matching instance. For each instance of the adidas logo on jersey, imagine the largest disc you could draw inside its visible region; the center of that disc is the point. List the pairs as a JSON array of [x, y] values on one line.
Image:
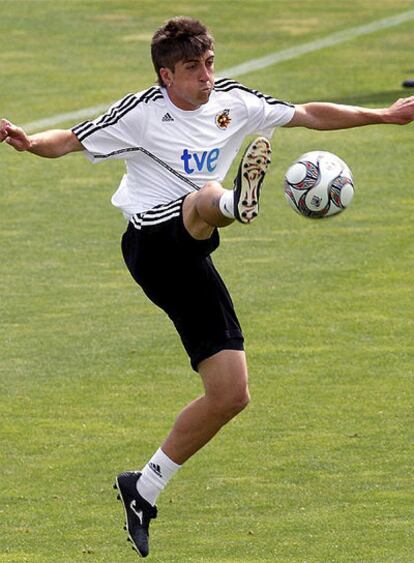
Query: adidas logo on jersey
[[167, 117]]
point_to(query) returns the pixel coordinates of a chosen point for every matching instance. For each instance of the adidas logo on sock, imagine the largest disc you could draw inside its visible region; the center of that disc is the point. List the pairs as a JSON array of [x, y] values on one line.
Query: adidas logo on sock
[[156, 468], [167, 117]]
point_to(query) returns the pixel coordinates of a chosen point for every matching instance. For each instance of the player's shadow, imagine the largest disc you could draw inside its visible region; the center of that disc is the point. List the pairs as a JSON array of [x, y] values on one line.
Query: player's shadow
[[378, 99]]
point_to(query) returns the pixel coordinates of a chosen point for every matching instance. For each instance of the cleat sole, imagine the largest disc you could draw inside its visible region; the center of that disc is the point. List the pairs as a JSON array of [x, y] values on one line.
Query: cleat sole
[[249, 179]]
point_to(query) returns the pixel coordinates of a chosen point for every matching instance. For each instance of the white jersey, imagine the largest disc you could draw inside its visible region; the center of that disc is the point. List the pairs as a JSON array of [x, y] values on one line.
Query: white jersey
[[170, 152]]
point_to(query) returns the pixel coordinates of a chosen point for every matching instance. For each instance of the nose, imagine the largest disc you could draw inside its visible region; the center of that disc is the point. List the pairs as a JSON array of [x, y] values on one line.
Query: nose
[[205, 73]]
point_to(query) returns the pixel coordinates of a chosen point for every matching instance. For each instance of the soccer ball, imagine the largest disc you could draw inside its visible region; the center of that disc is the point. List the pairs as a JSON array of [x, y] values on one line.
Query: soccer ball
[[319, 184]]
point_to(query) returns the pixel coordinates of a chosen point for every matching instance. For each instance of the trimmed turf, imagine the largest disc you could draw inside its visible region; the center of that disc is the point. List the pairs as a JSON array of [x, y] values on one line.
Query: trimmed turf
[[319, 469]]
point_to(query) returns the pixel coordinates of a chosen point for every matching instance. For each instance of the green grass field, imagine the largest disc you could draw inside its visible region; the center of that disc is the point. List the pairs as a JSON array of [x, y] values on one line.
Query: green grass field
[[320, 467]]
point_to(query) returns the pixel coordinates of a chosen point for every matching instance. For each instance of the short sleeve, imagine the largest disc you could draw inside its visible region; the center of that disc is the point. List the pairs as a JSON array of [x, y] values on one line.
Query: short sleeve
[[265, 112], [109, 135]]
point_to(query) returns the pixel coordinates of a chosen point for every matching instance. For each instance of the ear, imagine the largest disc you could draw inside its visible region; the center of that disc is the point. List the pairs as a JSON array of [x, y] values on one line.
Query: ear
[[167, 76]]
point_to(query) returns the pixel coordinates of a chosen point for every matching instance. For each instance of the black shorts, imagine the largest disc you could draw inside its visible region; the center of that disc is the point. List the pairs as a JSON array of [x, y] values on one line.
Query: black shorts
[[176, 272]]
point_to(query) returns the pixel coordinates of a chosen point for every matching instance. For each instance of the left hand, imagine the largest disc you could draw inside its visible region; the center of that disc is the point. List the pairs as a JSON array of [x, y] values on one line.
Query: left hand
[[400, 112]]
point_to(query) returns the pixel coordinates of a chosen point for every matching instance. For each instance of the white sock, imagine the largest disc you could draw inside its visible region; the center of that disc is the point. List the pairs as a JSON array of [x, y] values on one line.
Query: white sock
[[155, 476], [226, 204]]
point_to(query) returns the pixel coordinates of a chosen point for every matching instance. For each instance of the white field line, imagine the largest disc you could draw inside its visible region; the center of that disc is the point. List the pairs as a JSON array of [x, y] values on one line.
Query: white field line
[[249, 66]]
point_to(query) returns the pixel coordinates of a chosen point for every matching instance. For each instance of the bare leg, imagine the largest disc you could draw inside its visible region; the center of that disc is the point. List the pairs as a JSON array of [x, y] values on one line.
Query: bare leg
[[225, 378], [201, 212], [224, 375]]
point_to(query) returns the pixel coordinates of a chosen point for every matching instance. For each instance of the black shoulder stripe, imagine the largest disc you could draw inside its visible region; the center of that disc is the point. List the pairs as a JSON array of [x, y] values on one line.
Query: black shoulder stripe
[[85, 125], [79, 127], [129, 102], [119, 107], [150, 93], [220, 82], [226, 85]]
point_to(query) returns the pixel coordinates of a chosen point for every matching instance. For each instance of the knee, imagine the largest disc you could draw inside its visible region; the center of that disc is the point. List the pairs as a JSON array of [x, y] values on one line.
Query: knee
[[225, 379], [231, 404], [237, 402], [241, 401]]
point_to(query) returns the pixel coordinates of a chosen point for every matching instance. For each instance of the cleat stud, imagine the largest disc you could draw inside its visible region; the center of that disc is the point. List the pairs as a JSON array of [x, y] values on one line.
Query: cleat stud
[[245, 202], [114, 486], [125, 528], [254, 214], [244, 214], [118, 497], [254, 202]]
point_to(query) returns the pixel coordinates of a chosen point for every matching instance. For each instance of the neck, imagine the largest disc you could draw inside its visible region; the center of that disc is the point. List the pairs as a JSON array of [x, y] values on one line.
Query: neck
[[181, 103]]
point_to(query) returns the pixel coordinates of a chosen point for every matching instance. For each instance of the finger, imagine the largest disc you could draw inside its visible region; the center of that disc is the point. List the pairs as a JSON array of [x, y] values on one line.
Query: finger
[[3, 132], [13, 131], [6, 128], [5, 124], [16, 144]]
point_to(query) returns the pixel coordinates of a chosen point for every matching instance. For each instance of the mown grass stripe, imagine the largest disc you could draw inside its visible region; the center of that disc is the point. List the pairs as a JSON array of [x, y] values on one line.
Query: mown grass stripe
[[249, 66]]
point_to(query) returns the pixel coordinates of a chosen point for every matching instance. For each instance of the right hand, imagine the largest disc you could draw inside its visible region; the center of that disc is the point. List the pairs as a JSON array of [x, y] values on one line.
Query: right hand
[[13, 136]]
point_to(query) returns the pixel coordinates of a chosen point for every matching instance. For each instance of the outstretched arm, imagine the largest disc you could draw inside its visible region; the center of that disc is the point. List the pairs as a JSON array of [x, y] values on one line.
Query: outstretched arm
[[50, 144], [326, 116]]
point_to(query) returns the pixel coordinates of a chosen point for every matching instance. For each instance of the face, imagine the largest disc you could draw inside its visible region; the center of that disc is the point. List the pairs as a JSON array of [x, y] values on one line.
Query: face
[[190, 84]]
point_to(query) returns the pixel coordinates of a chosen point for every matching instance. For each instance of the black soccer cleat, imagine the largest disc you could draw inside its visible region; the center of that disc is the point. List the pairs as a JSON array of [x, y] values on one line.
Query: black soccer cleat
[[249, 179], [138, 512]]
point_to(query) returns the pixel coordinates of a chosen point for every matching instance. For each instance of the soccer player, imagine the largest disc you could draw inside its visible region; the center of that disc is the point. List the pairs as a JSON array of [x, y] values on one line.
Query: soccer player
[[178, 140]]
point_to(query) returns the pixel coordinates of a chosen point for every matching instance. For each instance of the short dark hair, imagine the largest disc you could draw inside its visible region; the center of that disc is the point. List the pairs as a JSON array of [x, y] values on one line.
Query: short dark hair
[[180, 38]]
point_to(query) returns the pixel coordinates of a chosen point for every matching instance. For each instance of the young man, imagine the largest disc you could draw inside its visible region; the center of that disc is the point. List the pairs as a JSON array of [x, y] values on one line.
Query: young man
[[178, 140]]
